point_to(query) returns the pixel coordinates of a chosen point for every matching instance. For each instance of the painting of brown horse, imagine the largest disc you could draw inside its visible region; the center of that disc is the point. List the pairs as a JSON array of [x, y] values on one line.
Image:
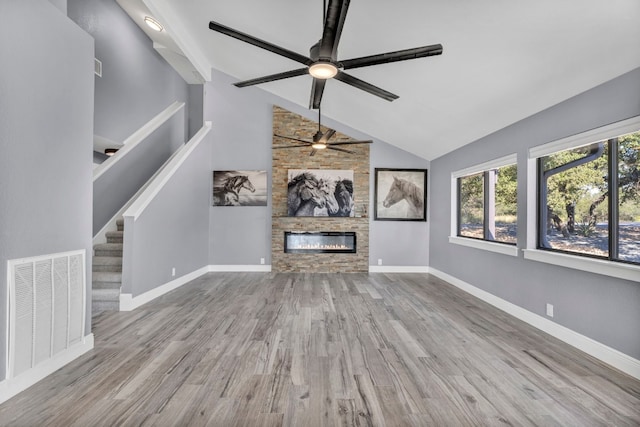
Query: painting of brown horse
[[400, 194]]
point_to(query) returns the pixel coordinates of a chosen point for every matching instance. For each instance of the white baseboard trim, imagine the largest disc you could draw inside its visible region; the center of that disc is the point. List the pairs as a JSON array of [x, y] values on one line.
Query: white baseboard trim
[[398, 269], [12, 386], [600, 351], [240, 268], [128, 302]]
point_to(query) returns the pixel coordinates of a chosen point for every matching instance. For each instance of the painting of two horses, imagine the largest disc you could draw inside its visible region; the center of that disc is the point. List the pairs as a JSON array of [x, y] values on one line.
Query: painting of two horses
[[400, 194], [239, 188], [320, 192]]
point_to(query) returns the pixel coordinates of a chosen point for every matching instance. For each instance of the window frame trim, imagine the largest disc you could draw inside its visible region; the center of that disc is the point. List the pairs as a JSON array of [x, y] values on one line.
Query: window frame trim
[[487, 245], [617, 269], [603, 133], [492, 246], [620, 270]]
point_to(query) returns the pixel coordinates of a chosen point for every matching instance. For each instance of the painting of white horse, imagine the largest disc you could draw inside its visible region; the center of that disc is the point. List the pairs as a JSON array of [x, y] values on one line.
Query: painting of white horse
[[239, 188], [400, 194]]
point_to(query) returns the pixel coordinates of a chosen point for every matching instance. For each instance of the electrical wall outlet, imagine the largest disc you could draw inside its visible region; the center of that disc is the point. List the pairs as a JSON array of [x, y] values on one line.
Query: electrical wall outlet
[[549, 310], [379, 261], [261, 261], [173, 272]]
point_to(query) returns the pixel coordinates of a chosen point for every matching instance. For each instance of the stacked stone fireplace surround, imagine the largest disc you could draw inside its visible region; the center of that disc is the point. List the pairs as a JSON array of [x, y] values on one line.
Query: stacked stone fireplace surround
[[291, 124]]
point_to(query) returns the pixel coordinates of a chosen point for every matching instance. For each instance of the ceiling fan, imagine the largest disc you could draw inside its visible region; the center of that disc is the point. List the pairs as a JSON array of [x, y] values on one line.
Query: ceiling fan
[[322, 62], [320, 141]]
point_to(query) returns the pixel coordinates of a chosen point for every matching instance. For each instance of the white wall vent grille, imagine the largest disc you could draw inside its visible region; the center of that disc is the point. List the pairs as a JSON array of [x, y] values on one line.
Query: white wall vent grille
[[46, 308], [97, 67]]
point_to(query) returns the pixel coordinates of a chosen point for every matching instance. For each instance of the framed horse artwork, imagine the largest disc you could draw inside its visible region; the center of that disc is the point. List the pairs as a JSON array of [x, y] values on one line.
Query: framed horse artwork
[[239, 188], [400, 195], [320, 192]]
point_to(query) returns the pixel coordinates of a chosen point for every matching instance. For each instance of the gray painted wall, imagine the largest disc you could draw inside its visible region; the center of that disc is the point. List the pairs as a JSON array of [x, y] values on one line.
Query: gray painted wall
[[99, 157], [241, 141], [136, 81], [129, 173], [397, 243], [194, 108], [600, 307], [172, 232], [242, 134], [60, 4], [46, 139]]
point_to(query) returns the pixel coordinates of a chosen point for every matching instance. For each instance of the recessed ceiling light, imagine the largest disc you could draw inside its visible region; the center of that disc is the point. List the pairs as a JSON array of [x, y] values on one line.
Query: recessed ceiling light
[[153, 24], [110, 151], [323, 70]]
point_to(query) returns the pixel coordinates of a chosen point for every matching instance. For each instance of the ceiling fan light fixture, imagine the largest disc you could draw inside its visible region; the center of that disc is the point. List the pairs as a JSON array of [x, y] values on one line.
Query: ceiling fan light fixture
[[153, 24], [323, 70], [318, 145]]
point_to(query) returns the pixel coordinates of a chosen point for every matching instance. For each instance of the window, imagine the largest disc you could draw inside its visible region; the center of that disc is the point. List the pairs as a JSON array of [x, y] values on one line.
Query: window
[[628, 198], [471, 212], [484, 206], [589, 200], [487, 202]]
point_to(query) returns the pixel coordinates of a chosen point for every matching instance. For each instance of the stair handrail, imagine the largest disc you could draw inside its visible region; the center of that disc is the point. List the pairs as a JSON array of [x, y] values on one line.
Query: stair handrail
[[137, 137], [161, 179], [101, 236]]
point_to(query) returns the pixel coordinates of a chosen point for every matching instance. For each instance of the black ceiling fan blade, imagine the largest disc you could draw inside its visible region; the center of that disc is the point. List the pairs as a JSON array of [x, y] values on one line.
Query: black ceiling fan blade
[[399, 55], [328, 134], [317, 89], [349, 142], [367, 87], [290, 146], [259, 43], [273, 77], [333, 24], [293, 139], [340, 149]]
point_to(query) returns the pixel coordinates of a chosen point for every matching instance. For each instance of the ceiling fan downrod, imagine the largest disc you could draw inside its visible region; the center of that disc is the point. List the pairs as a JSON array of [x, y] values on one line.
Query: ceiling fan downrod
[[317, 143]]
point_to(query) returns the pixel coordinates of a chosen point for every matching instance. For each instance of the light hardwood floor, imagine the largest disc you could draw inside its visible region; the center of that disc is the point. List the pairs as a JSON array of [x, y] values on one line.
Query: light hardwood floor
[[266, 349]]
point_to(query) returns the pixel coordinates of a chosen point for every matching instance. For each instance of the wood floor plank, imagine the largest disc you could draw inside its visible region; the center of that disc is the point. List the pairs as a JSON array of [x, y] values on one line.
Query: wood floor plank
[[141, 376], [272, 349], [367, 402], [279, 383]]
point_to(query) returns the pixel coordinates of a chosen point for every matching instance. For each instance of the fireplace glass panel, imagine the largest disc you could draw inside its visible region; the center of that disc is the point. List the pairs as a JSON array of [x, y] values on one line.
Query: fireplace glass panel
[[319, 242]]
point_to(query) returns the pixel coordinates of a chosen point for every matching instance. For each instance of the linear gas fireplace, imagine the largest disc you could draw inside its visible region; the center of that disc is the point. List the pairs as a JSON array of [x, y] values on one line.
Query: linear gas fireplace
[[320, 242]]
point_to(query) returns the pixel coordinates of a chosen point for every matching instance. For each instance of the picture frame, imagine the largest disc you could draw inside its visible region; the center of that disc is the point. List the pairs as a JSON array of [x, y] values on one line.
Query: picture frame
[[400, 194], [320, 193], [239, 188]]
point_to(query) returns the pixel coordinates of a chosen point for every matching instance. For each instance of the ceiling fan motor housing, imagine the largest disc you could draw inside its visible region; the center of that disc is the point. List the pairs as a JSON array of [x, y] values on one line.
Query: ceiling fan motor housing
[[314, 54]]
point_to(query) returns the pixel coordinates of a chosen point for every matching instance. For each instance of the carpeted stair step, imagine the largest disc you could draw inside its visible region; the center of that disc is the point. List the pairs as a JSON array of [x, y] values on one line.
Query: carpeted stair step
[[98, 307], [108, 249], [114, 236], [105, 295], [107, 271], [107, 263], [106, 280], [107, 276], [105, 299]]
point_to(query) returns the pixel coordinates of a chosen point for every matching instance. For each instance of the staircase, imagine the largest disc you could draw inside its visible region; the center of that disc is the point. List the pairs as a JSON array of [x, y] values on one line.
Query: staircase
[[107, 272]]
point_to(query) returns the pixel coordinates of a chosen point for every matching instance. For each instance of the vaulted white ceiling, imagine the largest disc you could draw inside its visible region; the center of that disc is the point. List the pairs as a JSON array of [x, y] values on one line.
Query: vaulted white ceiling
[[503, 60]]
